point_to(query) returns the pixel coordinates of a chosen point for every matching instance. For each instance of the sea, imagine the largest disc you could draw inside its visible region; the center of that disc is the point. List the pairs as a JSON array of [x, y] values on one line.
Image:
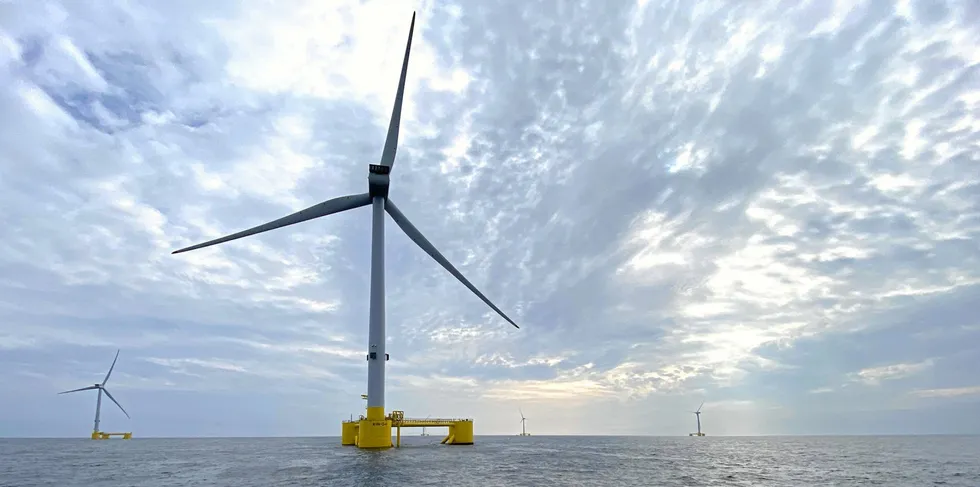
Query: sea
[[497, 461]]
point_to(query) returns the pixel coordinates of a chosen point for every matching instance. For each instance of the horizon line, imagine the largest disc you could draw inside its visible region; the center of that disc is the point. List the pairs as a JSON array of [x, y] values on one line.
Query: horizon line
[[772, 435]]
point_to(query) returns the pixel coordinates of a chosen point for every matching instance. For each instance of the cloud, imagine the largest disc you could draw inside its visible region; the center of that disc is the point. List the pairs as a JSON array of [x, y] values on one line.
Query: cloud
[[874, 375], [181, 364], [676, 201], [947, 392]]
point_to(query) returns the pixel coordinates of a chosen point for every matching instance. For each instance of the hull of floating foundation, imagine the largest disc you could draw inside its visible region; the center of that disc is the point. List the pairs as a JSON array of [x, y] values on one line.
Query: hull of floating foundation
[[460, 433], [374, 431], [348, 433], [102, 435]]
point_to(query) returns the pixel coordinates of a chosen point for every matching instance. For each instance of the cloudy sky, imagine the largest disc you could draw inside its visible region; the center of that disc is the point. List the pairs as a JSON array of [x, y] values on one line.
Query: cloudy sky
[[772, 208]]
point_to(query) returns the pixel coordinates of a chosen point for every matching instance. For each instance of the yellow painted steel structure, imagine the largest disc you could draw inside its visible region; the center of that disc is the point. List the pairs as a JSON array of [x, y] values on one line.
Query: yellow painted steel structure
[[374, 432], [348, 436], [102, 435]]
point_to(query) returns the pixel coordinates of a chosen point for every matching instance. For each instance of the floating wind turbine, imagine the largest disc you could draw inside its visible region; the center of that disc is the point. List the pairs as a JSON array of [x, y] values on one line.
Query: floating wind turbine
[[377, 197], [523, 421], [698, 414], [101, 388]]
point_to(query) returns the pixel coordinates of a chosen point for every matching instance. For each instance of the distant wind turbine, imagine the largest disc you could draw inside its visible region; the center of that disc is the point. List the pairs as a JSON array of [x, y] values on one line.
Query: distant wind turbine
[[523, 422], [98, 403], [377, 197], [698, 414]]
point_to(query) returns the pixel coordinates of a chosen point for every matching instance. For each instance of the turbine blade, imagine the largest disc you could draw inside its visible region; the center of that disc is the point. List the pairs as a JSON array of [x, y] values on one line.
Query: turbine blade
[[328, 207], [111, 367], [115, 401], [89, 388], [417, 237], [391, 141], [701, 406]]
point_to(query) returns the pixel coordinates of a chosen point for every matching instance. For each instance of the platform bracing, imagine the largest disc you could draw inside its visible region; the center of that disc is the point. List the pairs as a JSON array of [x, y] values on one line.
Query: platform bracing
[[374, 430], [96, 434]]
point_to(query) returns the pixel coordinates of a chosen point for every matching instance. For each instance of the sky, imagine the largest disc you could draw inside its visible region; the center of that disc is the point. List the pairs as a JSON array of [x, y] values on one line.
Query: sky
[[772, 208]]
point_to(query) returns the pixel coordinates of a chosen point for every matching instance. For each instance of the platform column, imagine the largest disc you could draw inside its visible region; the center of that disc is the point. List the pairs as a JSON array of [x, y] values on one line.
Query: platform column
[[374, 433], [462, 433], [347, 433]]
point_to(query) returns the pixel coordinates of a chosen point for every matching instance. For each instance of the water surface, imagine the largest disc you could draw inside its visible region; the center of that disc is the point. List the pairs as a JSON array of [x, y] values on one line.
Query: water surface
[[497, 461]]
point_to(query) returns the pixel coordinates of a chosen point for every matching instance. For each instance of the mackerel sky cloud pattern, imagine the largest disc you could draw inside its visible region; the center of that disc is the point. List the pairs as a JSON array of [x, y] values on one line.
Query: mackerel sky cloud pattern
[[774, 209]]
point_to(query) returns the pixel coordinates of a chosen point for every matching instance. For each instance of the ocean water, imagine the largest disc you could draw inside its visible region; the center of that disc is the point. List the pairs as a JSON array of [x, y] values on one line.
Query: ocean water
[[497, 461]]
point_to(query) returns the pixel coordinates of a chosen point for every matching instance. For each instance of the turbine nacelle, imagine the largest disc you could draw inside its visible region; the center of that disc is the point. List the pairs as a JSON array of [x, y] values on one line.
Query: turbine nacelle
[[378, 181]]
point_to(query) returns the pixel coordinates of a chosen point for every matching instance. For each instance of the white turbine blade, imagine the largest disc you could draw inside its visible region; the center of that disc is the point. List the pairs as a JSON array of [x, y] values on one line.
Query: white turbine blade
[[115, 401], [701, 406], [391, 141], [417, 237], [111, 367], [328, 207], [89, 388]]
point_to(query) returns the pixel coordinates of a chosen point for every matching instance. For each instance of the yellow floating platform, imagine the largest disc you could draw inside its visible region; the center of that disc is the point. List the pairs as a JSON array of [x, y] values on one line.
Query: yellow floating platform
[[102, 435], [374, 431]]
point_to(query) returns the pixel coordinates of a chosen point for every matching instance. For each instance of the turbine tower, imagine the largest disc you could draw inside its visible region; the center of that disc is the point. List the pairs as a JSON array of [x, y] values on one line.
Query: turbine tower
[[523, 421], [96, 434], [698, 415], [373, 433]]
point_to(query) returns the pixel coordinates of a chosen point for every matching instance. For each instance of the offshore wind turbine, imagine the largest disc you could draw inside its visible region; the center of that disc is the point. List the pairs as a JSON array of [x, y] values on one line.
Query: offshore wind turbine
[[698, 414], [371, 434], [96, 434], [523, 421]]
